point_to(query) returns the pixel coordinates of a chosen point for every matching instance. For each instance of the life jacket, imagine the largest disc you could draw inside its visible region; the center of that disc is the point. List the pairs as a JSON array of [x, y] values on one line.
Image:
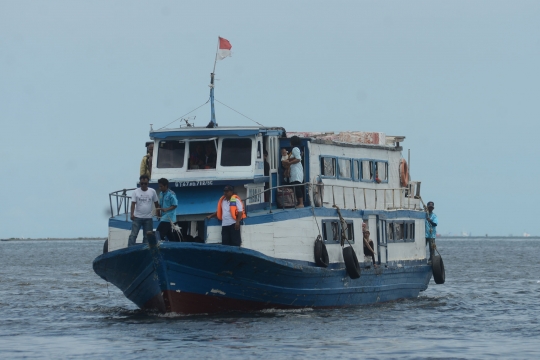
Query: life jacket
[[232, 204]]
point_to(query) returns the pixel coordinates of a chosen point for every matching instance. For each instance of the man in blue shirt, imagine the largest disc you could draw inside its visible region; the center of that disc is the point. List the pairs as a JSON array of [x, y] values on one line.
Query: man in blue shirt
[[431, 228], [167, 210]]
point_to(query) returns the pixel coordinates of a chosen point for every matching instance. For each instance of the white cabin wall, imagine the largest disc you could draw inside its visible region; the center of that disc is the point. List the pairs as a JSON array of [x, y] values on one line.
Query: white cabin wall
[[410, 250], [290, 239], [368, 195]]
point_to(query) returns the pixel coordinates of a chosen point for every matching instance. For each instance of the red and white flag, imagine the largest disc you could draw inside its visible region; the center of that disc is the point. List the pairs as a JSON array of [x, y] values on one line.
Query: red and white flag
[[224, 49]]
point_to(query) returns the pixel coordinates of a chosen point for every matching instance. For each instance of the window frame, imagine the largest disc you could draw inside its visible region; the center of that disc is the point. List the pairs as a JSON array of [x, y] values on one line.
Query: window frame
[[361, 170], [356, 174], [375, 170], [408, 231], [186, 145], [350, 225], [338, 169], [251, 160], [334, 158], [189, 142]]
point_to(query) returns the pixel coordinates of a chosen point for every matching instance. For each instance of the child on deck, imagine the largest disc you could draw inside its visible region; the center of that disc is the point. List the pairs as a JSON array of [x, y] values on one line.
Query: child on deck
[[285, 163]]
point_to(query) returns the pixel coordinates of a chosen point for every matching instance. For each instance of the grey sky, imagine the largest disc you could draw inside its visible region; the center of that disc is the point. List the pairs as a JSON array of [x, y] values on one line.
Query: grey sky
[[80, 82]]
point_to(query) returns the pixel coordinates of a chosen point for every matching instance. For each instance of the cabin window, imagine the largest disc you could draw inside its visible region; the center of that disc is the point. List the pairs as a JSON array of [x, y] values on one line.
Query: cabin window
[[331, 230], [344, 166], [398, 231], [409, 231], [328, 166], [381, 171], [202, 155], [349, 232], [402, 231], [236, 152], [356, 170], [367, 170], [259, 152], [171, 154], [390, 231]]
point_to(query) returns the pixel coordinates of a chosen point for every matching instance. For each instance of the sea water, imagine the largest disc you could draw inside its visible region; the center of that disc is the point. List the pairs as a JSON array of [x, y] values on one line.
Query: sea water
[[53, 305]]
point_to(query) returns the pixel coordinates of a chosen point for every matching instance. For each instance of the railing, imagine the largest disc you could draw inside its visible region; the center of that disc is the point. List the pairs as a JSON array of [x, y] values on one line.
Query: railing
[[353, 198], [122, 201]]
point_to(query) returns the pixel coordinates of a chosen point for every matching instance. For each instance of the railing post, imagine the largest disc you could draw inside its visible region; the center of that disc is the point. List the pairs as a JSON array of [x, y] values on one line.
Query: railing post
[[110, 202], [410, 192], [365, 201]]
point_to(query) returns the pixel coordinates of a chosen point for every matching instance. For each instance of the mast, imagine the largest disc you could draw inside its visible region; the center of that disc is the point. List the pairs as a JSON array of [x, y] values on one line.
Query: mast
[[223, 50], [212, 110]]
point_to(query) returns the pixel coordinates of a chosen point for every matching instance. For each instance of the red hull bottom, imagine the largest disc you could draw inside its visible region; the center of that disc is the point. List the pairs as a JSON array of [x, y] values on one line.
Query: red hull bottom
[[190, 303]]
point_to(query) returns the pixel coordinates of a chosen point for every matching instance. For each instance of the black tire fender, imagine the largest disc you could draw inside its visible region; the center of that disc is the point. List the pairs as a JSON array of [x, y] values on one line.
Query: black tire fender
[[351, 262], [106, 246], [321, 254], [437, 266]]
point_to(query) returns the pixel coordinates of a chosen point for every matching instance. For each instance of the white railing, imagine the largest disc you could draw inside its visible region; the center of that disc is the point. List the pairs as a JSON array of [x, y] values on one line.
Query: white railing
[[350, 197], [122, 201], [356, 198]]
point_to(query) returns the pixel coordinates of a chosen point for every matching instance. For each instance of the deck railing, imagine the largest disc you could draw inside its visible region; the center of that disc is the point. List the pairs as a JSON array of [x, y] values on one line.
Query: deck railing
[[121, 200], [353, 198], [345, 197]]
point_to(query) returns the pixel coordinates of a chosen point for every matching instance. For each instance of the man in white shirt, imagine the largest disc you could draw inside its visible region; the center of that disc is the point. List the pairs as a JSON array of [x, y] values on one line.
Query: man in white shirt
[[297, 171], [230, 211], [141, 210]]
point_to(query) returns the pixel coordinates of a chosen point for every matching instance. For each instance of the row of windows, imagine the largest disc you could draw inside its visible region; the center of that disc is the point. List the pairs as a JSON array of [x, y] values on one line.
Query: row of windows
[[396, 231], [354, 169], [203, 154], [400, 231], [331, 230]]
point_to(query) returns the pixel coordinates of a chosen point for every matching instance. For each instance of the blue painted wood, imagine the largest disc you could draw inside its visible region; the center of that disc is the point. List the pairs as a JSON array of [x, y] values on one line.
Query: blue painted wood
[[143, 273]]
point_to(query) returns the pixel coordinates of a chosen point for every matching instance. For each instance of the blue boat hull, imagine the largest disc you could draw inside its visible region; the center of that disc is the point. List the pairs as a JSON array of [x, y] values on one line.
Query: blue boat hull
[[193, 278]]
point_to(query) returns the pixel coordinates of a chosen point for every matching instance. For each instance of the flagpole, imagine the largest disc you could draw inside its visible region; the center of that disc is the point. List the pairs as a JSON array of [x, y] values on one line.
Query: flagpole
[[212, 111]]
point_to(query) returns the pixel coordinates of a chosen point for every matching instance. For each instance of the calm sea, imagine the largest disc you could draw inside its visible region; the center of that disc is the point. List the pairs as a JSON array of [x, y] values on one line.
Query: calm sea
[[52, 305]]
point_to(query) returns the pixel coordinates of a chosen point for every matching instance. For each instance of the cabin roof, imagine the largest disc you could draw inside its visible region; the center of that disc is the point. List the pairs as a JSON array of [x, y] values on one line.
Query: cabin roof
[[217, 131]]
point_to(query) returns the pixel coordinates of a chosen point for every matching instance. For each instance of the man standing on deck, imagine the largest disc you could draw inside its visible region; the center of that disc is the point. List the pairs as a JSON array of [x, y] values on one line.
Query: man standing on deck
[[297, 171], [167, 208], [431, 228], [146, 162], [230, 211], [141, 210]]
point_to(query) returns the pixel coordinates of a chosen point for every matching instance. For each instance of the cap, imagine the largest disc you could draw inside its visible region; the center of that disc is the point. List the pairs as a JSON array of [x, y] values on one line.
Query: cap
[[228, 188], [431, 203], [148, 143]]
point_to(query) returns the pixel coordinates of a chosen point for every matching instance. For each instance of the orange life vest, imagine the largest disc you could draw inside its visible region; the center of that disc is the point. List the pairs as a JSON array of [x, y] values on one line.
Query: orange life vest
[[232, 204]]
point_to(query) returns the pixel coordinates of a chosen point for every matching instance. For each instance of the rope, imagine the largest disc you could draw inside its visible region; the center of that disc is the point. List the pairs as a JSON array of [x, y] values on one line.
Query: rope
[[180, 118], [313, 209], [343, 227], [177, 229], [247, 117]]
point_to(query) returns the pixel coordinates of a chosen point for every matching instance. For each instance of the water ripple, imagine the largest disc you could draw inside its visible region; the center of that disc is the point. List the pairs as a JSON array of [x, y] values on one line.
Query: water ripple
[[53, 305]]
